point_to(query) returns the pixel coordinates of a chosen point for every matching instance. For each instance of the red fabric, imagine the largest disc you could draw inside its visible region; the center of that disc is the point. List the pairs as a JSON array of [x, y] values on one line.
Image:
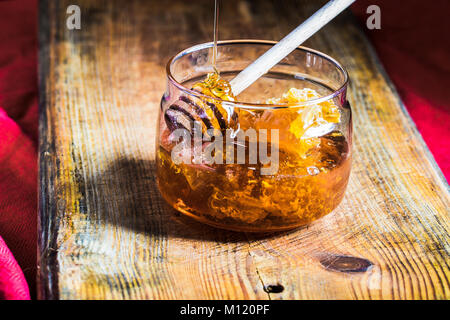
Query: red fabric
[[414, 48], [13, 285], [18, 144], [412, 45]]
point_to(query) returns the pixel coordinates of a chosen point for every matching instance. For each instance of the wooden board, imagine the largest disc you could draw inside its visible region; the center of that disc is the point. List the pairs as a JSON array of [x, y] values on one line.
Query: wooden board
[[105, 232]]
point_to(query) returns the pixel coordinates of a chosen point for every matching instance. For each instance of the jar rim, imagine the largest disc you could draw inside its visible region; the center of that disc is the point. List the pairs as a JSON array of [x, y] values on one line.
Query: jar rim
[[248, 105]]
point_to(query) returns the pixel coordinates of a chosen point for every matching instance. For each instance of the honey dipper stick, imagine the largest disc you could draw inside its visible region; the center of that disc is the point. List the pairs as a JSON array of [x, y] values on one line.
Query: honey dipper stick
[[286, 45]]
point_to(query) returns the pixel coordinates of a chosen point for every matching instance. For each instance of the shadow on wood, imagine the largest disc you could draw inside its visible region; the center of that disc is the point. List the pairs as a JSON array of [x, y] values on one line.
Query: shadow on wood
[[127, 196]]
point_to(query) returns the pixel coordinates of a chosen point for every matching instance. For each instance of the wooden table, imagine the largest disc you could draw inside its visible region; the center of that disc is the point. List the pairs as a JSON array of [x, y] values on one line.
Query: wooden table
[[105, 232]]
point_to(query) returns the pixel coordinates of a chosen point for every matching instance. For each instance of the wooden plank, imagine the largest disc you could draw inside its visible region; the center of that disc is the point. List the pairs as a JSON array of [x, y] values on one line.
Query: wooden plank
[[105, 233]]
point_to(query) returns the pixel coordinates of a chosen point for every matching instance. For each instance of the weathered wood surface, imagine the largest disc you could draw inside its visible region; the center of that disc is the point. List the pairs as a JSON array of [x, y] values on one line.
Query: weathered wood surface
[[105, 233]]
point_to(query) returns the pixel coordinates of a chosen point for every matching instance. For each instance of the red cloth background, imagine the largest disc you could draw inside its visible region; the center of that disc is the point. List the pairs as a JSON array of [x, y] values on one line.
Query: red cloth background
[[411, 44], [13, 285], [18, 147]]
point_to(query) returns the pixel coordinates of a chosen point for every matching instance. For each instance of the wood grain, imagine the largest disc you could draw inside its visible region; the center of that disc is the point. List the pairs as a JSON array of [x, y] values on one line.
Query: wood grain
[[105, 232]]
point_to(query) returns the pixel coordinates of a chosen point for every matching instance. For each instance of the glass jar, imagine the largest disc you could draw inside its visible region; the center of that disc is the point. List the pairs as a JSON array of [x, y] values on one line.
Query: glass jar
[[257, 164]]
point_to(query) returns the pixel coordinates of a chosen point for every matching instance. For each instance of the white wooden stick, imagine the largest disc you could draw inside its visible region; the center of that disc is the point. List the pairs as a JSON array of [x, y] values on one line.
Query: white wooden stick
[[286, 45]]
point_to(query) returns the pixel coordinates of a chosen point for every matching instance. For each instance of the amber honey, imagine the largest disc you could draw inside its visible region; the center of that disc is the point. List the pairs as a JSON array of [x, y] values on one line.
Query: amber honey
[[295, 118], [237, 197], [311, 176]]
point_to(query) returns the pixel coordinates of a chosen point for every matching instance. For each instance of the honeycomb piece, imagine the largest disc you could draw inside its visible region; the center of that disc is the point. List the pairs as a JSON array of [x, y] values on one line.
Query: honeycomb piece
[[306, 117]]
